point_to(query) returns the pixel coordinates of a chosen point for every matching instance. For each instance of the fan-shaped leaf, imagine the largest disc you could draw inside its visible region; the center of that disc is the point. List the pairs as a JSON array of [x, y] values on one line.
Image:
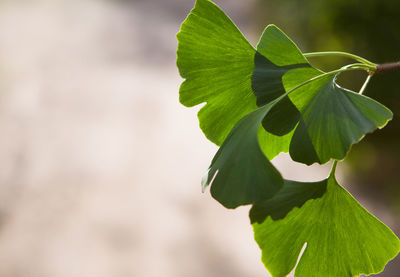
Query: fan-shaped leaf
[[343, 239], [217, 62], [327, 119], [332, 119]]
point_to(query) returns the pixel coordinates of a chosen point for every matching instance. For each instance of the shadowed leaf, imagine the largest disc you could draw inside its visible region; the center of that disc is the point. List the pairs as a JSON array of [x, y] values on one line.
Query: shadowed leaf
[[240, 174], [332, 119], [293, 194]]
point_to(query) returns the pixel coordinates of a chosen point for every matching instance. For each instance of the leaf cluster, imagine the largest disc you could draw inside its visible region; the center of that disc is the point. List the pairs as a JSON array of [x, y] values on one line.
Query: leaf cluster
[[266, 100]]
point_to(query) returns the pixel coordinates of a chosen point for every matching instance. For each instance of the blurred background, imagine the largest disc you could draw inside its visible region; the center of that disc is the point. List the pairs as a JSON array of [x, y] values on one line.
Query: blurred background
[[100, 166]]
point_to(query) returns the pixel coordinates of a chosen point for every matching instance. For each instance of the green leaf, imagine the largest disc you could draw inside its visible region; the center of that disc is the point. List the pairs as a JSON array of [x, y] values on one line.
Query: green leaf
[[217, 62], [271, 144], [315, 123], [277, 55], [223, 69], [240, 174], [332, 119], [293, 194], [325, 114], [342, 239], [327, 118]]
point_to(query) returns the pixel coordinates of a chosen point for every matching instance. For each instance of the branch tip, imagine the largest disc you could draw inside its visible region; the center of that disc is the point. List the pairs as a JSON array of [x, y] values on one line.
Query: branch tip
[[387, 67]]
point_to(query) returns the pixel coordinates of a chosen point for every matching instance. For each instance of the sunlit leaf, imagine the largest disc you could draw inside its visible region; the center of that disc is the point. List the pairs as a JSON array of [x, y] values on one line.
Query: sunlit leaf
[[249, 112], [342, 239], [217, 62]]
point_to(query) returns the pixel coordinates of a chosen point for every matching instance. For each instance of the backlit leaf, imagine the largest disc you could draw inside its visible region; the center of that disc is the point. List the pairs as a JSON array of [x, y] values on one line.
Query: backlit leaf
[[217, 62], [343, 239]]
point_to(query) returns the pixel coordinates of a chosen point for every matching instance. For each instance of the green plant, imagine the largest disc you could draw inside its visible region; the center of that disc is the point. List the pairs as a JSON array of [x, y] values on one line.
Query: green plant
[[264, 101]]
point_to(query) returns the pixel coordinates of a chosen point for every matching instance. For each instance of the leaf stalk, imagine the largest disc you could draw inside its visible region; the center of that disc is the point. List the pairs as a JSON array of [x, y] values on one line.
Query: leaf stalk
[[365, 84], [339, 53], [355, 66]]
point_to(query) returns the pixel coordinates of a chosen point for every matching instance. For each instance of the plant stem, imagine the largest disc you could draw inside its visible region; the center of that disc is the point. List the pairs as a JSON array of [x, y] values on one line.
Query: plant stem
[[365, 84], [369, 68], [387, 67], [356, 66], [338, 53]]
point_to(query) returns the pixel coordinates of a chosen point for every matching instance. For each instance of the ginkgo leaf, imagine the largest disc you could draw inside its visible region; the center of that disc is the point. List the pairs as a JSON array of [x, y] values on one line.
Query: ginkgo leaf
[[223, 69], [327, 119], [240, 173], [332, 119], [270, 100], [342, 238], [217, 62], [276, 55], [293, 194]]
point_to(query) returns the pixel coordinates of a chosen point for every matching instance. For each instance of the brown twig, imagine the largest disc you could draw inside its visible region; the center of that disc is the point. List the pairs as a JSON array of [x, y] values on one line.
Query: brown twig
[[387, 67]]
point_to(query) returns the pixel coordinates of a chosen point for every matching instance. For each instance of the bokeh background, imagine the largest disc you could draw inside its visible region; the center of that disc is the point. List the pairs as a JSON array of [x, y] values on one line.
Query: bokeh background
[[100, 166]]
